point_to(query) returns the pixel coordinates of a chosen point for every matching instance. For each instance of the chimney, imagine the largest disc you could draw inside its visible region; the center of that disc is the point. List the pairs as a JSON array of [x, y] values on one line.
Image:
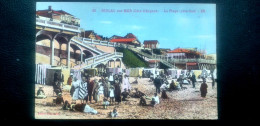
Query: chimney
[[50, 8]]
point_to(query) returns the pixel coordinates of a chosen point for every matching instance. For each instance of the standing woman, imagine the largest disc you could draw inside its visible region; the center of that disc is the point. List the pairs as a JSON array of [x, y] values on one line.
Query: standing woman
[[126, 85], [95, 90], [75, 89], [117, 91], [203, 88], [106, 88], [90, 85], [111, 79]]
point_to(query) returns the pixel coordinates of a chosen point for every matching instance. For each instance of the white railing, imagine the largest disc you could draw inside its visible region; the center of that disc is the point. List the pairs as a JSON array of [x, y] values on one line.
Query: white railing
[[56, 25], [163, 58], [89, 62], [78, 41]]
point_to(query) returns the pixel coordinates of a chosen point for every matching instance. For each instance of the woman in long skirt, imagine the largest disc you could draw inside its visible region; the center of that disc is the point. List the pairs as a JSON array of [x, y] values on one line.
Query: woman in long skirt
[[117, 92]]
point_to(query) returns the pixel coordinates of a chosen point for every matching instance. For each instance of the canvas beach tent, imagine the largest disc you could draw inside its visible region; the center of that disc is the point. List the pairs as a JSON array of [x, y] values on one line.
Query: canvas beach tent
[[135, 72], [196, 72], [50, 74]]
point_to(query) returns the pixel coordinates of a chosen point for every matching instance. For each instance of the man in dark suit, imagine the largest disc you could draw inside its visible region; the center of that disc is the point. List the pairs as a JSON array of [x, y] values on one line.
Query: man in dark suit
[[157, 84]]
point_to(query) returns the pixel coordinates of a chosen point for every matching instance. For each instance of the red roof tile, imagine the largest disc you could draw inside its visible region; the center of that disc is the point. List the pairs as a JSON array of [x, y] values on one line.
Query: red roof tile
[[179, 50], [123, 40], [98, 37]]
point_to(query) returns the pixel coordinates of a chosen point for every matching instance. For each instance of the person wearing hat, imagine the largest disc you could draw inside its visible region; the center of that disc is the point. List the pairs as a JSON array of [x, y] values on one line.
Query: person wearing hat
[[157, 83], [57, 87], [114, 113], [106, 86], [111, 79], [90, 85], [117, 92], [95, 90], [111, 93], [120, 77], [126, 84], [155, 100], [203, 88], [125, 94], [40, 93], [138, 94], [142, 101], [193, 80]]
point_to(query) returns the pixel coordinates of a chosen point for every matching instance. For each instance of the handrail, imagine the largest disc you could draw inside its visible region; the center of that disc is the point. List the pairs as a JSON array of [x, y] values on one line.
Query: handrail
[[57, 25], [91, 48], [162, 58]]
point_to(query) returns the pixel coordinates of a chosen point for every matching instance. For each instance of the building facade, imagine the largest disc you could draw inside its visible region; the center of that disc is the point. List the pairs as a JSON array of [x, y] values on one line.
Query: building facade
[[59, 16], [130, 39], [152, 44]]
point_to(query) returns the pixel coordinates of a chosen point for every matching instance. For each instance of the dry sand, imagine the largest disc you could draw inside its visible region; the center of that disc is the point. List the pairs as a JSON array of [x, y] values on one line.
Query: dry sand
[[184, 104]]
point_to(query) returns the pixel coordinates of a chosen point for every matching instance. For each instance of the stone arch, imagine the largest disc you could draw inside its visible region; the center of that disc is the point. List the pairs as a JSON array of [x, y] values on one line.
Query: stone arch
[[48, 35], [87, 53], [73, 53], [118, 62], [110, 63]]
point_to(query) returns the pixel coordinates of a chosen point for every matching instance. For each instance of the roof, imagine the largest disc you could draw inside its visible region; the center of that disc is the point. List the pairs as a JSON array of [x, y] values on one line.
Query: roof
[[116, 36], [130, 35], [98, 37], [64, 12], [87, 33], [151, 41], [181, 50], [123, 40], [60, 12]]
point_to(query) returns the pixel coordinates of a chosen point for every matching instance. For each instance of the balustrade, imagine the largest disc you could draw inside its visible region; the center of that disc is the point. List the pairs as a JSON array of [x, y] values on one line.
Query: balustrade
[[57, 25]]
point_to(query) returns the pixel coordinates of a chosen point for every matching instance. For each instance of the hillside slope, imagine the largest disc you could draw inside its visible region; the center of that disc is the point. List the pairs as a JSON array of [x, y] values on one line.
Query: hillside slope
[[131, 60]]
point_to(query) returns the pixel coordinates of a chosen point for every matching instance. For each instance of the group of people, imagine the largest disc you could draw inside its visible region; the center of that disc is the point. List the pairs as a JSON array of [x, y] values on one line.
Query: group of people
[[113, 88], [162, 85]]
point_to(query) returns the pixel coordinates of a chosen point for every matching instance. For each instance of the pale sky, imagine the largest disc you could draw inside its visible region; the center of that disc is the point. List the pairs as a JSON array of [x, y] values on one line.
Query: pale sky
[[194, 25]]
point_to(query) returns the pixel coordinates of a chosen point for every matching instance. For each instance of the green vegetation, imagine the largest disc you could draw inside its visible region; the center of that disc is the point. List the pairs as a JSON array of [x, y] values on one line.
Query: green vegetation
[[131, 59], [146, 51], [157, 51]]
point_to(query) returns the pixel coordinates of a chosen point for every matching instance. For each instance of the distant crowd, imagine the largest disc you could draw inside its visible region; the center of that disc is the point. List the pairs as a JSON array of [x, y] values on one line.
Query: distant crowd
[[112, 89]]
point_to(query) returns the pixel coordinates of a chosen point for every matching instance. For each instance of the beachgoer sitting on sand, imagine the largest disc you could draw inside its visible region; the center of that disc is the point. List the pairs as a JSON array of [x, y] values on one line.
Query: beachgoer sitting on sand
[[142, 101], [114, 113], [59, 99], [125, 94], [155, 100], [40, 93]]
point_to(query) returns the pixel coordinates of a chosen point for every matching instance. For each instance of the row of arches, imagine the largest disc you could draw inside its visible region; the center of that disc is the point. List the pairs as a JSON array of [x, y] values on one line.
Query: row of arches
[[59, 49]]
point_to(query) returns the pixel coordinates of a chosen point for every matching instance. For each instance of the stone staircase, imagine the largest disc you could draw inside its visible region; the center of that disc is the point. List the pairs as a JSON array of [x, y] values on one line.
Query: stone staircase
[[90, 47], [131, 47], [96, 60]]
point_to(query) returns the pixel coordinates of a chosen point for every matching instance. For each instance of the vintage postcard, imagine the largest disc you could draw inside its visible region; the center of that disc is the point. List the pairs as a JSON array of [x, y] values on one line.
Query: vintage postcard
[[100, 60]]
